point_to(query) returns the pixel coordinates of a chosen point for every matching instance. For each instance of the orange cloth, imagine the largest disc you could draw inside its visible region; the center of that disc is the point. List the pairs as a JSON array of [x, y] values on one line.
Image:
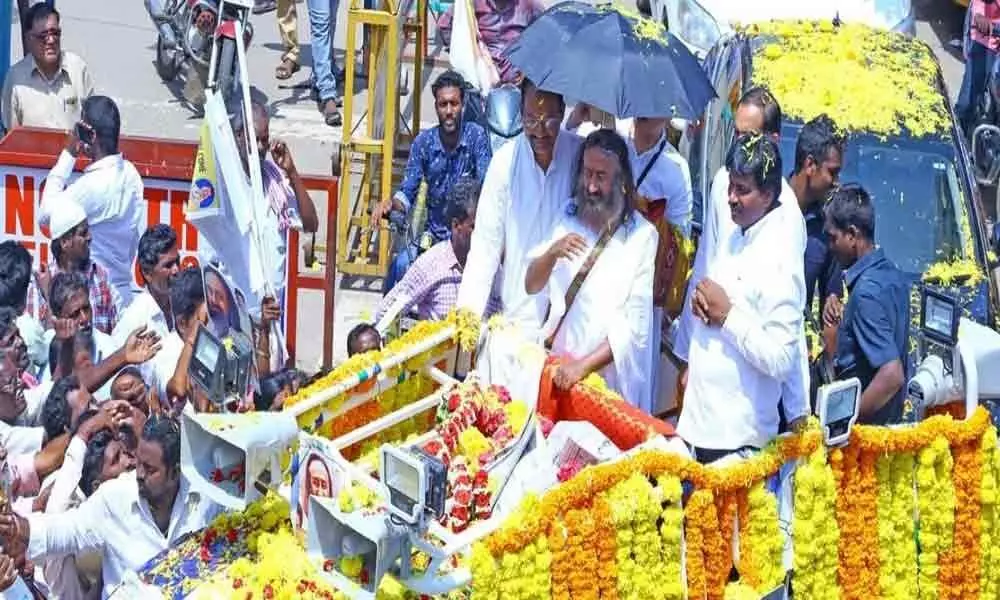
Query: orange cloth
[[624, 424]]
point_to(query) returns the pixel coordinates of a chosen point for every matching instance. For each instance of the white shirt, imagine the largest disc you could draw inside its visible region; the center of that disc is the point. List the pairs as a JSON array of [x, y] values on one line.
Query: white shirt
[[735, 372], [143, 311], [615, 303], [19, 440], [669, 177], [110, 192], [717, 222], [116, 521], [61, 574], [519, 207], [165, 362]]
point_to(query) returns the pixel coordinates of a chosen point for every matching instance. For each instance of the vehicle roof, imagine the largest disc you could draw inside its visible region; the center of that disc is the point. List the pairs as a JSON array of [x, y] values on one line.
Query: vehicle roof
[[865, 79]]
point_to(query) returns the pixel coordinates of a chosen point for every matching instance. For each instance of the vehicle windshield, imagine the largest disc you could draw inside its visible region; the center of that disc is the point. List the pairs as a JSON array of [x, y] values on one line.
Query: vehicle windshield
[[916, 191]]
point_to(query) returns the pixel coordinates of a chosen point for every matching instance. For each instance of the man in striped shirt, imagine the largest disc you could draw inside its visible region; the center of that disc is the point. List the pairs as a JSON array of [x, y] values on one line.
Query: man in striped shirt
[[71, 254], [430, 285]]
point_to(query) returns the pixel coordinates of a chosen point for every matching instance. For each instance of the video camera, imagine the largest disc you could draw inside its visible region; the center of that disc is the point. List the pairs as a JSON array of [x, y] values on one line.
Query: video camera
[[221, 368]]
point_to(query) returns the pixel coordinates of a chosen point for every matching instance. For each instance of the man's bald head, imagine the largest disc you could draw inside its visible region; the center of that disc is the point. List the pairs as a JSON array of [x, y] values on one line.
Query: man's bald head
[[758, 112]]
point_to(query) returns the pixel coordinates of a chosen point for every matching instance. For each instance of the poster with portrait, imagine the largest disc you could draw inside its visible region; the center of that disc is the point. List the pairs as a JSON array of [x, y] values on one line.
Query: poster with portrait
[[315, 472], [227, 304]]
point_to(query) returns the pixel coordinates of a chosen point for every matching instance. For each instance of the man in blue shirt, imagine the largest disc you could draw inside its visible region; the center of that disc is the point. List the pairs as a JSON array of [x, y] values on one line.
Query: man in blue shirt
[[439, 156], [818, 160], [872, 332]]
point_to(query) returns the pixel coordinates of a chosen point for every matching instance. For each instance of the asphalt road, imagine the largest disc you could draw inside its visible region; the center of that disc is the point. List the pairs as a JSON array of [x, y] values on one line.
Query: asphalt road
[[117, 40]]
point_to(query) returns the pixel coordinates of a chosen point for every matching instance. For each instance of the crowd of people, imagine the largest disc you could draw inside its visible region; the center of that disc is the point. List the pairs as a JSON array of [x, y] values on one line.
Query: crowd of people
[[575, 233]]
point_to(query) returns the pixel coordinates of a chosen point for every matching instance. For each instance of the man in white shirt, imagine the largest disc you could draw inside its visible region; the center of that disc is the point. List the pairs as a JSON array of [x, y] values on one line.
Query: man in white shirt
[[526, 190], [597, 270], [69, 300], [158, 261], [757, 111], [109, 191], [130, 519], [748, 313]]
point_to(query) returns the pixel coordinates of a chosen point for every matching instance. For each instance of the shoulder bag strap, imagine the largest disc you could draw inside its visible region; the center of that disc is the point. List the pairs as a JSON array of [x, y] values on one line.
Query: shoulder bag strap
[[581, 276], [649, 165]]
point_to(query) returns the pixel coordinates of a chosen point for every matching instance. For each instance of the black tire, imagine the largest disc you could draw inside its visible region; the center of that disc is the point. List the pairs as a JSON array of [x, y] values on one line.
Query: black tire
[[225, 74], [335, 157], [167, 63], [644, 8]]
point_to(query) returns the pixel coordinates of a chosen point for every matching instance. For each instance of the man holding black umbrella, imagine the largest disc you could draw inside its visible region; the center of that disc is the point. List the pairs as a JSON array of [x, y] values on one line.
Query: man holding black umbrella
[[527, 188]]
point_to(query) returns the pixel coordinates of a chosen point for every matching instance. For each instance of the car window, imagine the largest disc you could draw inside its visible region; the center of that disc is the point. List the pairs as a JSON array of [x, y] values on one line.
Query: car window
[[916, 191]]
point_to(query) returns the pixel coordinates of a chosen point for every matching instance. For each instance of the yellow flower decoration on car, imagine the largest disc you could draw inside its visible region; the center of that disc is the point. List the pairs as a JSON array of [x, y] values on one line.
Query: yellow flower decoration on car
[[863, 78]]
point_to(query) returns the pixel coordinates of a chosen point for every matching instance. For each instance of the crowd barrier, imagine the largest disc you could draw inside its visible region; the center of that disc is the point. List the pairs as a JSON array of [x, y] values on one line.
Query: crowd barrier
[[27, 155]]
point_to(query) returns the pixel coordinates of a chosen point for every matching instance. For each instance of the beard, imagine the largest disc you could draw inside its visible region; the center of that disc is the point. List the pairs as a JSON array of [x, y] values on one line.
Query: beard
[[600, 209]]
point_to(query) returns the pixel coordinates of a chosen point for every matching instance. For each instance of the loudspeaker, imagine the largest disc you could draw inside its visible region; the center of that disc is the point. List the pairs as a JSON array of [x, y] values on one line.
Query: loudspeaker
[[333, 534], [234, 458]]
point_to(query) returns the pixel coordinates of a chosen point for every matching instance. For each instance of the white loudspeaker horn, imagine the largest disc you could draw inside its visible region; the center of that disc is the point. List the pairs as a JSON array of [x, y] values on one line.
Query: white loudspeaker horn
[[334, 534], [233, 458]]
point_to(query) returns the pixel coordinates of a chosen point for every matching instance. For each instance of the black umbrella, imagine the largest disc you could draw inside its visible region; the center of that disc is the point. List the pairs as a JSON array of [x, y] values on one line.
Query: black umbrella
[[619, 62]]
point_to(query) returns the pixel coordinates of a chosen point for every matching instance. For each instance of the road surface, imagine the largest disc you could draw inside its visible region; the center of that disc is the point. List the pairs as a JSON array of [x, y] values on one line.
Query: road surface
[[116, 39]]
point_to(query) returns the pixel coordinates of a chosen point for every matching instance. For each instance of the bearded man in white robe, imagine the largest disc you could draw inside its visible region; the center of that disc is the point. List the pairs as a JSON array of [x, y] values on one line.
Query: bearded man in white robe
[[596, 272]]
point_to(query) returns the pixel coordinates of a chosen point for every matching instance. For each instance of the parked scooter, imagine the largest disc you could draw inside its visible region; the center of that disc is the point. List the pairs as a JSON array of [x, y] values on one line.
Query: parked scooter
[[188, 30]]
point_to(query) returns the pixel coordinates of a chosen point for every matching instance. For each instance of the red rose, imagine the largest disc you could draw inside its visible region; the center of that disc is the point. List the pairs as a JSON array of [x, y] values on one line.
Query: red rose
[[209, 536], [231, 535], [328, 565], [462, 497], [460, 513], [482, 478], [433, 447], [205, 555], [453, 401]]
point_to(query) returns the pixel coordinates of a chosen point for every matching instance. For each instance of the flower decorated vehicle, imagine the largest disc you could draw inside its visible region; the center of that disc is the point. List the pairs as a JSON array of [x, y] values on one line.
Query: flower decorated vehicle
[[700, 23], [886, 92]]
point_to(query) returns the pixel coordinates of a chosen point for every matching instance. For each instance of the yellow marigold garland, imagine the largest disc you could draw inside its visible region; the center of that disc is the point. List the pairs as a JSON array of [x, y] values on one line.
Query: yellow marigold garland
[[524, 575], [672, 532], [696, 518], [883, 440], [581, 546], [814, 529], [959, 574], [562, 561], [897, 545], [843, 67], [936, 504], [623, 502], [846, 464], [989, 574], [762, 540], [485, 579], [607, 548]]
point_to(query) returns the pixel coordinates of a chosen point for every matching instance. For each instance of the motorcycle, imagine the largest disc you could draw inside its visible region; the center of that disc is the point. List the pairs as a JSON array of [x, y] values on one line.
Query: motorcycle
[[985, 150], [188, 31], [503, 114]]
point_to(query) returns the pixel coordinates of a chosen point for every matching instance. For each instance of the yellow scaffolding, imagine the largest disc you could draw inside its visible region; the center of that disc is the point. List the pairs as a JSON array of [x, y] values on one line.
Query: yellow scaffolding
[[377, 149]]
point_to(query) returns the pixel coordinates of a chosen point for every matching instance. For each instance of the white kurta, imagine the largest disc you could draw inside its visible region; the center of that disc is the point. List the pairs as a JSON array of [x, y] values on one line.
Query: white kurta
[[717, 226], [736, 371], [518, 209], [615, 303]]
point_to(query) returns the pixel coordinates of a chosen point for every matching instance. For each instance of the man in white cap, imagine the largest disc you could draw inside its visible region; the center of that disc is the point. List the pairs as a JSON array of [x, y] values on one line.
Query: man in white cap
[[109, 191], [71, 254]]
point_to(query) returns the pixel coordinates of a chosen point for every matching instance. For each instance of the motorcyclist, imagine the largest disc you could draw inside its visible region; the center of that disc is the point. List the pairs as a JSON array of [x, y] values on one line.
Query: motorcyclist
[[981, 44], [439, 157]]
